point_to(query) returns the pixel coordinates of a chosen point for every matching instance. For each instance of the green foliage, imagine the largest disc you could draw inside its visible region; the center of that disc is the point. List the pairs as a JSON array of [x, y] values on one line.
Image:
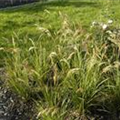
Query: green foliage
[[70, 72]]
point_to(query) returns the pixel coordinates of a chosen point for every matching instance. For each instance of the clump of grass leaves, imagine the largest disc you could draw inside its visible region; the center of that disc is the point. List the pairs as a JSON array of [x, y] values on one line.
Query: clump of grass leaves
[[78, 78]]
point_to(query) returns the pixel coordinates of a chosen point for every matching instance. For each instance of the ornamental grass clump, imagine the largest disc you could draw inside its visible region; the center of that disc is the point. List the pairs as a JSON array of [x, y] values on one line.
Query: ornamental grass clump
[[111, 57], [26, 67], [77, 79], [78, 85]]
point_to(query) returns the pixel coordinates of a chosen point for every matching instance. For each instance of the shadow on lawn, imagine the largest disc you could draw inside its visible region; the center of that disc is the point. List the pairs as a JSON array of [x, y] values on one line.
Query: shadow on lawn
[[37, 7]]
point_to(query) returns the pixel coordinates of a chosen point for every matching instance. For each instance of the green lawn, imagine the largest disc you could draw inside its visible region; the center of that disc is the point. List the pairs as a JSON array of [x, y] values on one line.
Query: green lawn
[[51, 48], [23, 20]]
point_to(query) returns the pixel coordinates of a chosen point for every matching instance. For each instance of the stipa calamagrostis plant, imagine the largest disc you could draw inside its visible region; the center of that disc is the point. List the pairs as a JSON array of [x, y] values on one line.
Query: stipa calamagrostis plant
[[80, 82], [113, 89], [110, 69], [83, 83], [77, 75], [55, 96], [53, 106], [26, 68]]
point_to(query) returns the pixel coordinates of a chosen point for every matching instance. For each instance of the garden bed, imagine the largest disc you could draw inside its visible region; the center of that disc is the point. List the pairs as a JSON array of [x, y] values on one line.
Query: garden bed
[[12, 107]]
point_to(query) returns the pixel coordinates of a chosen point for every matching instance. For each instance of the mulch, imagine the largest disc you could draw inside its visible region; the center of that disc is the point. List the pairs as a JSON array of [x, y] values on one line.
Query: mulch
[[12, 107]]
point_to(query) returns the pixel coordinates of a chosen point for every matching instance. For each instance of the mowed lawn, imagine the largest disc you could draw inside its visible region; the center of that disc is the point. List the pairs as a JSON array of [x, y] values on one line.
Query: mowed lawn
[[23, 20]]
